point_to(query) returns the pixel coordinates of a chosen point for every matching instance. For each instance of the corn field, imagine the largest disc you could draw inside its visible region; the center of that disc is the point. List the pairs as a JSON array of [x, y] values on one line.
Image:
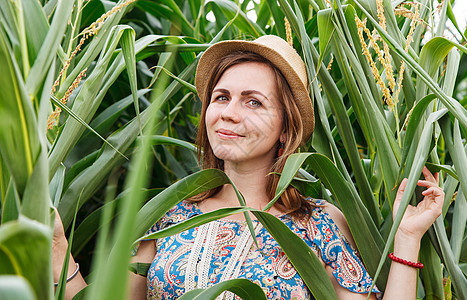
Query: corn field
[[98, 115]]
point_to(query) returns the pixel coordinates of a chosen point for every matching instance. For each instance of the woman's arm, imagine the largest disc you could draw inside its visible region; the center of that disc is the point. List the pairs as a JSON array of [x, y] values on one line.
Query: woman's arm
[[402, 279], [146, 252], [59, 247]]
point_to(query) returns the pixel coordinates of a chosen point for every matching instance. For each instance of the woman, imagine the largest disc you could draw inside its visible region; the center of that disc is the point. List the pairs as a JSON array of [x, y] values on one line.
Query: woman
[[256, 112]]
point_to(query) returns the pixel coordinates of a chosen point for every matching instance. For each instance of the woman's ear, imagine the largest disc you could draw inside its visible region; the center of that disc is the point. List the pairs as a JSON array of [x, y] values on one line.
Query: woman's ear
[[283, 138]]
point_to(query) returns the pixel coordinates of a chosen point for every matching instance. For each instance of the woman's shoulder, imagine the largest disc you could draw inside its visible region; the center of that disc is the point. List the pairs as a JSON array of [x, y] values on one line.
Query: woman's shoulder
[[327, 228], [326, 212]]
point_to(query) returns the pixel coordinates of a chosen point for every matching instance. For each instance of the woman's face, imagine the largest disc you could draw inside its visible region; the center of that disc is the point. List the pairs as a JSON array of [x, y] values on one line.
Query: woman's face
[[244, 116]]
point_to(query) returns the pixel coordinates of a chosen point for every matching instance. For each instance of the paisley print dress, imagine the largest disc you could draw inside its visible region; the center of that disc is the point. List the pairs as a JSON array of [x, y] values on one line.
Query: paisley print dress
[[224, 249]]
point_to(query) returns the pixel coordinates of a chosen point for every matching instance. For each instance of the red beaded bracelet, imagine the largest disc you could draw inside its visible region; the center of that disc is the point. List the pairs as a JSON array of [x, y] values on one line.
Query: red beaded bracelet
[[417, 265]]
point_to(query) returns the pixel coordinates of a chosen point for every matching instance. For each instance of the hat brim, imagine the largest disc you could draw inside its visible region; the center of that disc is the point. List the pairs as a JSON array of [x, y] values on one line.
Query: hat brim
[[214, 54]]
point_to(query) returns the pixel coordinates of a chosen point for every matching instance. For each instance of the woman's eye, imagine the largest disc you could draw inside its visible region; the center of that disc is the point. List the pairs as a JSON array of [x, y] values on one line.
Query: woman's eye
[[222, 98], [255, 103]]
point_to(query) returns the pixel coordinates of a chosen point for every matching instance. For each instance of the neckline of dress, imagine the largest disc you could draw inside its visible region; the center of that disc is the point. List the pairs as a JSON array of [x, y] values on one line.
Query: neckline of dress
[[198, 211]]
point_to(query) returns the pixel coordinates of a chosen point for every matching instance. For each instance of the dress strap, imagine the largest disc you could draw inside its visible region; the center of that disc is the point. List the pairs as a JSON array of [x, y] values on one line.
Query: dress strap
[[206, 257], [193, 258], [238, 258]]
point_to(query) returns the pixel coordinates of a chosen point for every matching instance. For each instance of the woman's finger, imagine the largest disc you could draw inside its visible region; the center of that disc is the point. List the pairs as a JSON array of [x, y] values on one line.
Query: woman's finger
[[399, 194], [426, 183], [428, 175], [433, 191]]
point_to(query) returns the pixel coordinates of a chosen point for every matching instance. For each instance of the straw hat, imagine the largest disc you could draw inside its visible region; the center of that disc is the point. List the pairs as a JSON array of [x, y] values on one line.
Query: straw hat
[[280, 54]]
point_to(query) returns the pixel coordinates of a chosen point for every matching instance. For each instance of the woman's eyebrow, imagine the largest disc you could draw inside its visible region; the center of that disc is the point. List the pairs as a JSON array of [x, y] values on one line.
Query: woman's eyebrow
[[224, 91], [248, 92]]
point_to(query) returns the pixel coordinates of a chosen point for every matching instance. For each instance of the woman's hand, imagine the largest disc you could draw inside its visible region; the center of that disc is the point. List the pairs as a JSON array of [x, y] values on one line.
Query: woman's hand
[[417, 219], [402, 279], [59, 238], [59, 247]]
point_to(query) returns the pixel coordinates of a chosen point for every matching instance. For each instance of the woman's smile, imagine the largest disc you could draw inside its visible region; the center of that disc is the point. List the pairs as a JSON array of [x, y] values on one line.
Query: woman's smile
[[228, 134]]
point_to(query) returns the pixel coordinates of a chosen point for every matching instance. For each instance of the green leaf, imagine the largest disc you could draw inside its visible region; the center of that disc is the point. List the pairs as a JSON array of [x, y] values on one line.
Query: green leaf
[[11, 204], [414, 173], [19, 145], [104, 121], [194, 222], [89, 54], [139, 268], [56, 185], [432, 276], [311, 57], [432, 55], [15, 288], [128, 46], [454, 107], [50, 45], [168, 9], [188, 85], [325, 30], [165, 140], [82, 122], [36, 199], [459, 281], [232, 11], [187, 187], [308, 187], [244, 288], [415, 118], [90, 179], [300, 255], [36, 27], [81, 107], [26, 243], [364, 231], [89, 227], [437, 168], [459, 219], [371, 120]]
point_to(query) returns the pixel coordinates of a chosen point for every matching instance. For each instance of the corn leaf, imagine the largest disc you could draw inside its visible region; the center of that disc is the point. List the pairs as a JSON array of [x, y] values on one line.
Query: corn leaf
[[244, 288], [15, 288], [454, 107], [300, 255], [233, 12], [50, 45], [415, 171], [81, 106], [13, 236], [189, 186], [10, 204], [19, 145]]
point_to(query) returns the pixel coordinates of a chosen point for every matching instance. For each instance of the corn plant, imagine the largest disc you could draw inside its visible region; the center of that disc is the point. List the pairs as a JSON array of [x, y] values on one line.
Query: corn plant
[[99, 112]]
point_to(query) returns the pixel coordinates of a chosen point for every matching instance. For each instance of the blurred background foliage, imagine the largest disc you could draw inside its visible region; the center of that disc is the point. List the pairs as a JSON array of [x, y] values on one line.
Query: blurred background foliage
[[87, 84]]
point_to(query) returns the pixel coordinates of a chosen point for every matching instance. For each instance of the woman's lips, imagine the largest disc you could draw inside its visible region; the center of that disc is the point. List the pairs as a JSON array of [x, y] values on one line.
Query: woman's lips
[[227, 134]]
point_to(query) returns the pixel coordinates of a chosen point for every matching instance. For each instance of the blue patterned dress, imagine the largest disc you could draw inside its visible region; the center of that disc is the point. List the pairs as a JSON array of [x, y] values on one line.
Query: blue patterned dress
[[199, 257]]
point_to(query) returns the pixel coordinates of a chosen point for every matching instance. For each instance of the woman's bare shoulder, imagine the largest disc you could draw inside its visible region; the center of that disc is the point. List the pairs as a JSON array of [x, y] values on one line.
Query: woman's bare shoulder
[[338, 217]]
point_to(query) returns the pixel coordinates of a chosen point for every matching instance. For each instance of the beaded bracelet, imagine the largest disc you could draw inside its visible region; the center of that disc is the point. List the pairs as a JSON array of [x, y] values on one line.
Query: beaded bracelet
[[71, 276], [417, 265]]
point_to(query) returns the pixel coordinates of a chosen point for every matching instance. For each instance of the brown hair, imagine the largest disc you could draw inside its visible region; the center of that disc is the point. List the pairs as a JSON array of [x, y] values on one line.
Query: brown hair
[[291, 201]]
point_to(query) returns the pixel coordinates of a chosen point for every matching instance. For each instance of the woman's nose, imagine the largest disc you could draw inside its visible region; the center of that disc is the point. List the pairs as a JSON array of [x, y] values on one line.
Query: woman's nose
[[231, 111]]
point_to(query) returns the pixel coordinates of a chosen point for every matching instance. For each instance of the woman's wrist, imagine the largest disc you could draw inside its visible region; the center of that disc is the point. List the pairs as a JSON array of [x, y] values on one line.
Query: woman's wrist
[[406, 246], [59, 249]]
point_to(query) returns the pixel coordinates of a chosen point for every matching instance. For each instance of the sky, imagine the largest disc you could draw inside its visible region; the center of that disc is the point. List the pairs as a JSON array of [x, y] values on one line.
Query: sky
[[460, 12]]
